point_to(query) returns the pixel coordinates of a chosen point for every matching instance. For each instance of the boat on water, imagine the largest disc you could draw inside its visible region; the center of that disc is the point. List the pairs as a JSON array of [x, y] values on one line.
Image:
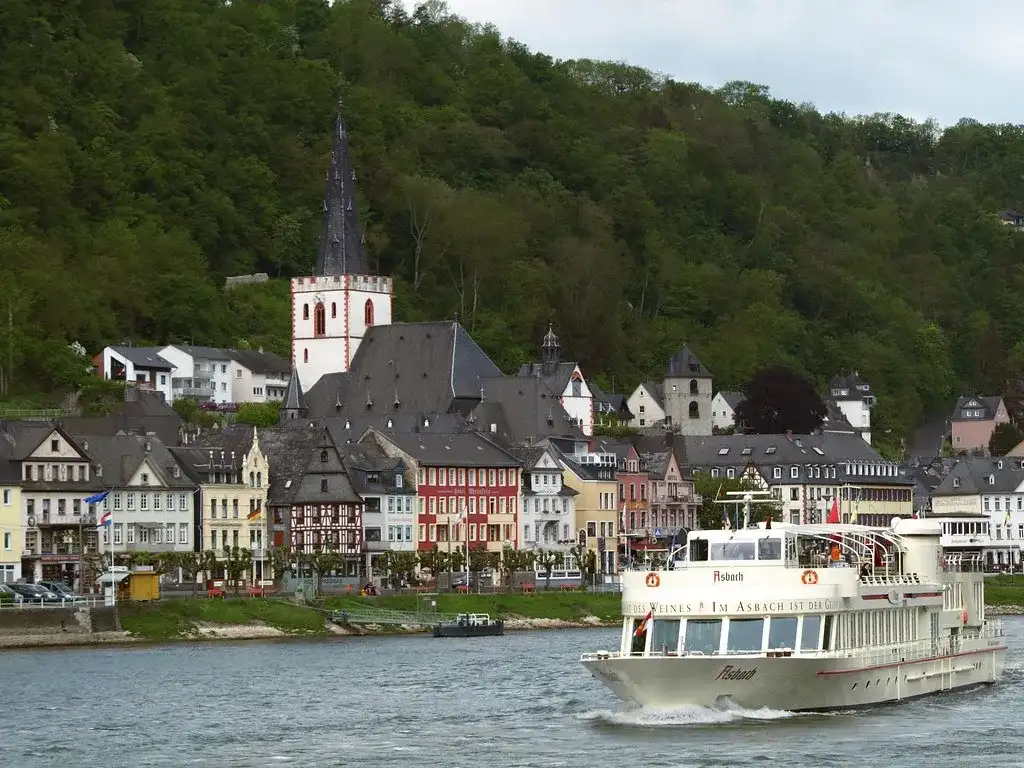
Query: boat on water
[[470, 625], [804, 618]]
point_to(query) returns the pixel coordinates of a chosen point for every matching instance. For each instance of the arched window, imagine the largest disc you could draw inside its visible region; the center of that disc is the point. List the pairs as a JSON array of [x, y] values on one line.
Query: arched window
[[694, 410], [693, 387], [305, 311], [334, 310], [319, 319], [577, 387], [252, 479], [323, 457], [368, 313], [305, 355], [259, 479]]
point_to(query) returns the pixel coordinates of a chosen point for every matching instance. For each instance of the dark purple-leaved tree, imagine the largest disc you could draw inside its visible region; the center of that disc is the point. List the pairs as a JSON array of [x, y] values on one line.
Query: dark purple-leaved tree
[[779, 400]]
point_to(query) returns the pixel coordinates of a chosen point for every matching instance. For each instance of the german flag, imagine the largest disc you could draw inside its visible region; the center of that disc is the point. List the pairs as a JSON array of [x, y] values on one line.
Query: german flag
[[642, 627], [254, 514]]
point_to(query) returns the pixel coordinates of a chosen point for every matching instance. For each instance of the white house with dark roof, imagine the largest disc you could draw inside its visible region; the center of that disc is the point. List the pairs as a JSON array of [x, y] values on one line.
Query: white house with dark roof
[[723, 409], [993, 488], [853, 397], [806, 473], [258, 376], [200, 373], [647, 405], [565, 380], [143, 367], [548, 519]]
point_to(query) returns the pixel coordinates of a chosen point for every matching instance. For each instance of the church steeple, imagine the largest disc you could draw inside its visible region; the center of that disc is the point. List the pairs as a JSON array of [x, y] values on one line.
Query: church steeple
[[293, 404], [341, 249], [550, 351]]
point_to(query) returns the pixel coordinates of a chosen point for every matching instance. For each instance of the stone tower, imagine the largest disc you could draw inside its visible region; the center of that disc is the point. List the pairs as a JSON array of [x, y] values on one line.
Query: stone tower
[[689, 391]]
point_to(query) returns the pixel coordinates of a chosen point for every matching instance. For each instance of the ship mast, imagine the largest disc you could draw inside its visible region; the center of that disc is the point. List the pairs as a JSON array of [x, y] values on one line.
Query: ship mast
[[747, 498]]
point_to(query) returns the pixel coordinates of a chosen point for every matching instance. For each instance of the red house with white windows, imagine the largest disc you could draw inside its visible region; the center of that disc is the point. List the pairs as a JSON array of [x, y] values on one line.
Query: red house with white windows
[[468, 488]]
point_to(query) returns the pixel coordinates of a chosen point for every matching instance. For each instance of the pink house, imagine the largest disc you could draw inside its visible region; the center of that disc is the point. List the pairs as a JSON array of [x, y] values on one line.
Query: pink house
[[973, 421]]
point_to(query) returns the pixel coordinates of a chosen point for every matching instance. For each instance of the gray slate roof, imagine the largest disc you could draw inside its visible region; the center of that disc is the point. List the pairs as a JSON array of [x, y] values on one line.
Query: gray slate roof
[[731, 398], [293, 399], [327, 397], [372, 472], [418, 367], [977, 475], [203, 353], [143, 357], [529, 410], [261, 362], [841, 450], [341, 246], [311, 489], [987, 404], [686, 365], [554, 375], [122, 455], [466, 449]]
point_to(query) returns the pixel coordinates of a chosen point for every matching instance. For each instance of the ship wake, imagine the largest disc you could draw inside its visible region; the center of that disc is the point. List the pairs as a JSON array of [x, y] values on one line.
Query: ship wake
[[683, 716]]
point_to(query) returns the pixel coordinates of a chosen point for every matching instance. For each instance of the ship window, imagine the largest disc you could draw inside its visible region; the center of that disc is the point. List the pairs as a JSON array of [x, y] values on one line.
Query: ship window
[[665, 636], [826, 637], [744, 635], [703, 636], [769, 549], [809, 638], [698, 550], [782, 632], [732, 550]]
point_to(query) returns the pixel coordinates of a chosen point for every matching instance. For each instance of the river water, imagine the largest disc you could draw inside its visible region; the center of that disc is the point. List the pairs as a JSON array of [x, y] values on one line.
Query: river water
[[514, 702]]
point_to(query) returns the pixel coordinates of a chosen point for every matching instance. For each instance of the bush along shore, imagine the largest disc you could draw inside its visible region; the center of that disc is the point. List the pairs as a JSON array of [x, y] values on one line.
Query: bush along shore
[[196, 619]]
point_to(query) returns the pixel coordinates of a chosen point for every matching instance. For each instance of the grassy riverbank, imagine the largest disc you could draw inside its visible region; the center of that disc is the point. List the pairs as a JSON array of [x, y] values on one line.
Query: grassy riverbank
[[194, 619], [1004, 590]]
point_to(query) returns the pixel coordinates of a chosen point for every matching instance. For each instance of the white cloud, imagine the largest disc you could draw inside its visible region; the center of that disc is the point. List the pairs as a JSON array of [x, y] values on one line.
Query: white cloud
[[922, 58]]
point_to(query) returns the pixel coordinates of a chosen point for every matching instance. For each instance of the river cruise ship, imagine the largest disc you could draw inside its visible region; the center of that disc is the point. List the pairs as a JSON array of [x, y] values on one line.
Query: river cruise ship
[[797, 617]]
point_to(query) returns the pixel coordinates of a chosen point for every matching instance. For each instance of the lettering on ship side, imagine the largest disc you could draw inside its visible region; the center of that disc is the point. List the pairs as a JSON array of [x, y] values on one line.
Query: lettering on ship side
[[726, 576], [714, 607], [730, 672]]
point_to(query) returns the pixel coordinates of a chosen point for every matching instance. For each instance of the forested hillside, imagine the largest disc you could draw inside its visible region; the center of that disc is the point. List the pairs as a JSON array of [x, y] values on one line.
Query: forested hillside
[[147, 150]]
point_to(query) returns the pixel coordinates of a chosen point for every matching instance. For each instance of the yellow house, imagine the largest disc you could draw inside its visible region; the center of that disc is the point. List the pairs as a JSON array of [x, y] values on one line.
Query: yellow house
[[233, 475], [12, 532], [597, 515]]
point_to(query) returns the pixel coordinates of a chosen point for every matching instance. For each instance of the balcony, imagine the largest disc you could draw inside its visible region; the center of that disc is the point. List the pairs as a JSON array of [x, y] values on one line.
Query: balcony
[[51, 518]]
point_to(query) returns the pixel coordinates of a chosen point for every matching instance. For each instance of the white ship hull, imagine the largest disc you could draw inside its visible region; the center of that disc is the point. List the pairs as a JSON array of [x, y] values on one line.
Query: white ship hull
[[794, 683]]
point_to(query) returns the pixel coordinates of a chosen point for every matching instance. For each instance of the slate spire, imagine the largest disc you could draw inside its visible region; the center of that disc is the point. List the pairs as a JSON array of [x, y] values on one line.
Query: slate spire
[[341, 249], [293, 404]]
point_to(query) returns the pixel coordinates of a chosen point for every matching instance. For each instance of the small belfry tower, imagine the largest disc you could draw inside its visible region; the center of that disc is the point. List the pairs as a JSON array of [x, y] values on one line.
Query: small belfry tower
[[332, 310]]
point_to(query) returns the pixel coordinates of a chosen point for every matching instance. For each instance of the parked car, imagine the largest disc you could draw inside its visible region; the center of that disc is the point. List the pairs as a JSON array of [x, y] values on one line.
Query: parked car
[[8, 595], [60, 589], [33, 593]]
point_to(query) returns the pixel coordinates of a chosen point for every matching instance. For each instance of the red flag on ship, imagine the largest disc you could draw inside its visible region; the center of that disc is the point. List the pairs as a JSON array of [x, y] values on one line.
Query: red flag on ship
[[833, 513], [642, 627]]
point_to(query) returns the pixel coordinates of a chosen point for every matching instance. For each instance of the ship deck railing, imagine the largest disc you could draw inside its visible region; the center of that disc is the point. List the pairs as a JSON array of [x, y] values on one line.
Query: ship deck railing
[[870, 655]]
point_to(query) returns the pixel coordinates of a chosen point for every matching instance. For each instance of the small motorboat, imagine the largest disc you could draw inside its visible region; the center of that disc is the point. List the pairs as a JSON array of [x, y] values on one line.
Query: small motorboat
[[470, 625]]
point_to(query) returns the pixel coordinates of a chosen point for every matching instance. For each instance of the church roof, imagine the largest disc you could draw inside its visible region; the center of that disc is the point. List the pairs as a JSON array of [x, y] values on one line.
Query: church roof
[[341, 246], [293, 398]]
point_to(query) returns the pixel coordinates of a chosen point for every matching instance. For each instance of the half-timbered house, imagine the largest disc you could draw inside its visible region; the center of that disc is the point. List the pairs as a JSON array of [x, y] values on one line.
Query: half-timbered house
[[326, 512]]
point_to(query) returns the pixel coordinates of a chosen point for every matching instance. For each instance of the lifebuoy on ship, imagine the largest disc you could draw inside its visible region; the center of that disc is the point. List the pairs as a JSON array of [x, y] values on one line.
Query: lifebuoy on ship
[[809, 577], [963, 616], [653, 580]]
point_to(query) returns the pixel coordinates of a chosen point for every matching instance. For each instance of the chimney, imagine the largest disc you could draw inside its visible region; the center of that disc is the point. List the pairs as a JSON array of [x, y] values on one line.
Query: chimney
[[149, 446]]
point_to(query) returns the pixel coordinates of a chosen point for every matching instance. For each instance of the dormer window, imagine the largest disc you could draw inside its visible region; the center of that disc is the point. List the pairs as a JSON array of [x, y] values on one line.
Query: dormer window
[[399, 481], [991, 479], [794, 472], [956, 482]]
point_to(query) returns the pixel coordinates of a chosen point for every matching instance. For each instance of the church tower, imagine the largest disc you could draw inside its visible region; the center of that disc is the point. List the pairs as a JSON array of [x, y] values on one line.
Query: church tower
[[332, 310]]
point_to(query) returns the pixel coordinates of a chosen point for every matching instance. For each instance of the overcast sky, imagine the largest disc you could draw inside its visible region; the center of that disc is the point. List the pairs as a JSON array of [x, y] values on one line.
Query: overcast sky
[[944, 59]]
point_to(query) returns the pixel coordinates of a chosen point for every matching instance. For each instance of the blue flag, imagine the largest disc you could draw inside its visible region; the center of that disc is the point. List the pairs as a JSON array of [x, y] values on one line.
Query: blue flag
[[96, 498]]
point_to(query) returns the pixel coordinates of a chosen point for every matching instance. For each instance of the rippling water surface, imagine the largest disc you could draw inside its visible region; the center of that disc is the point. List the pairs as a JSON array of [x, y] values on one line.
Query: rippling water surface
[[518, 701]]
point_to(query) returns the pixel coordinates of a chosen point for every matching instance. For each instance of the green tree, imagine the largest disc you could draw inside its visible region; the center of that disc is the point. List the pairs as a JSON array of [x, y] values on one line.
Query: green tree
[[776, 401], [259, 414], [713, 490], [1005, 437]]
